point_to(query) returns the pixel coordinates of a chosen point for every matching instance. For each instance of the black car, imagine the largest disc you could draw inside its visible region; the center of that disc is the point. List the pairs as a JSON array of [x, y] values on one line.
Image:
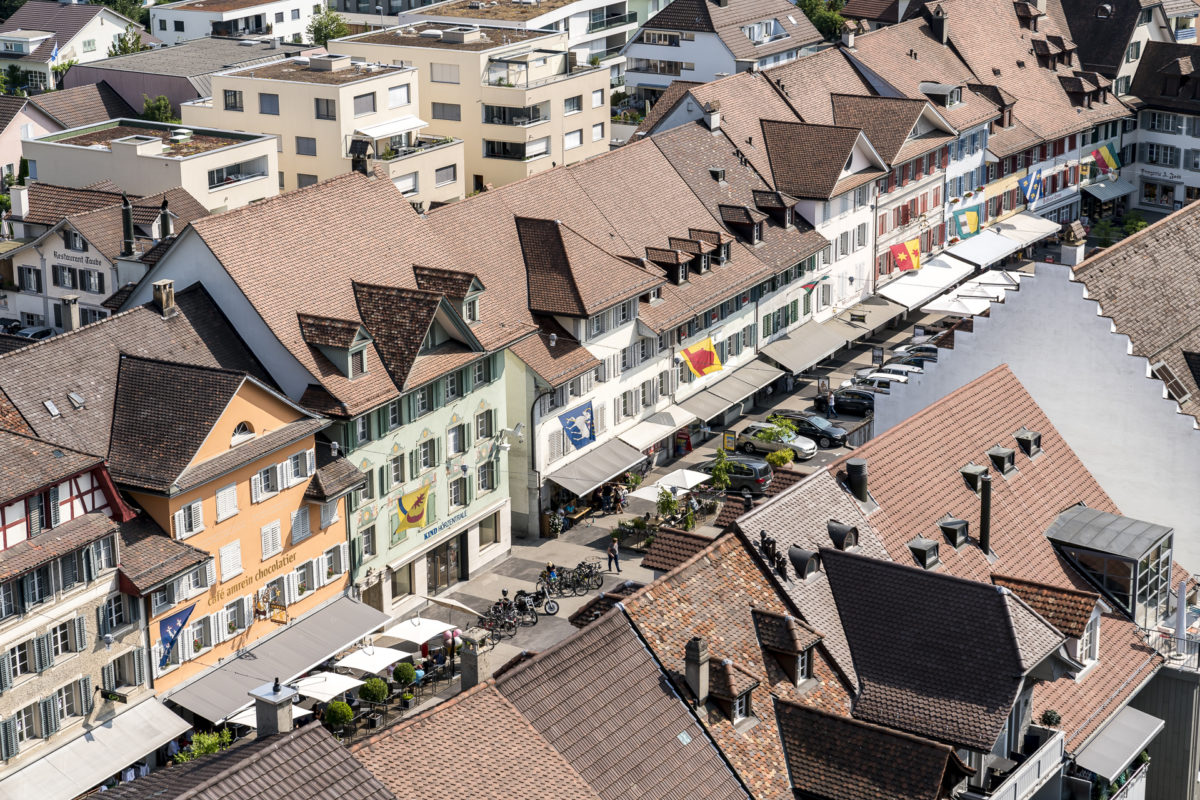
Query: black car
[[819, 429], [745, 472], [10, 325], [851, 400], [914, 359]]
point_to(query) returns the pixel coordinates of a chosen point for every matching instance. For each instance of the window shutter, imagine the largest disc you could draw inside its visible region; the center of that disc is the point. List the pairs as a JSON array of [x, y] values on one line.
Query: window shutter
[[219, 626], [85, 694], [43, 656], [210, 572], [311, 456], [5, 673], [108, 677], [54, 509], [600, 417], [283, 475], [139, 666], [1141, 152], [300, 530], [156, 654], [255, 488], [177, 525], [384, 479], [231, 559], [184, 644], [49, 718], [290, 588], [197, 512], [101, 621], [344, 550], [414, 462], [8, 739], [265, 535], [81, 639]]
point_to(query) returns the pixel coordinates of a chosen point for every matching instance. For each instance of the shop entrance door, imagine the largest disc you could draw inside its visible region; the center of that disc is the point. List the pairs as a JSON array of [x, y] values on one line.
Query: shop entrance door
[[446, 564]]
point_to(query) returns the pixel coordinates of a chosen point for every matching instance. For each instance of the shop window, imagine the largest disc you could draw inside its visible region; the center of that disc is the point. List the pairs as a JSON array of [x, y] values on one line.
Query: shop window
[[489, 530], [402, 581]]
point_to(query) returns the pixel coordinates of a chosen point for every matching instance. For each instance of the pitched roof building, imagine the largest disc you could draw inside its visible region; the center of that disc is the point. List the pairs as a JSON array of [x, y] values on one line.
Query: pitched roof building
[[84, 105]]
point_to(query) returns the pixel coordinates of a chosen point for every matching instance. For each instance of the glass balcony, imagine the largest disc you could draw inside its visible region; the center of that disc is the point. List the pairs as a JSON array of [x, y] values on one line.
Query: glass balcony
[[604, 23]]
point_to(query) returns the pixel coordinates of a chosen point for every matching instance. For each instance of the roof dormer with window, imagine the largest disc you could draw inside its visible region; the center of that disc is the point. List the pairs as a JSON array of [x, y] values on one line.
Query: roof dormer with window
[[343, 342]]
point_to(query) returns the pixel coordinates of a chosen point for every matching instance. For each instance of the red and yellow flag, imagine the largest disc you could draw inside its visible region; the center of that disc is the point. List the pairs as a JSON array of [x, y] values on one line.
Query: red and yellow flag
[[702, 358], [1105, 160], [413, 510], [907, 255]]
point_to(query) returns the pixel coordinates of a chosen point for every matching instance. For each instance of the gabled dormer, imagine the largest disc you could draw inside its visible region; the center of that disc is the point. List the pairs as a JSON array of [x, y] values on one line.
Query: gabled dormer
[[789, 641], [746, 222], [703, 253], [779, 206], [946, 95], [719, 239], [463, 289], [677, 264], [1076, 614], [344, 342]]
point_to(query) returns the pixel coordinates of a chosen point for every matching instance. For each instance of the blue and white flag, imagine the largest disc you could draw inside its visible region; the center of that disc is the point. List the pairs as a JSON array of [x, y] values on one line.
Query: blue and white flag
[[54, 52], [169, 630], [579, 425], [1031, 186]]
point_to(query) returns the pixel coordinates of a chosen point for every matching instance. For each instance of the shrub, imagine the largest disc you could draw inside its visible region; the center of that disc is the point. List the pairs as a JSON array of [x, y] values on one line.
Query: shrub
[[404, 673], [374, 690], [338, 714], [720, 470], [203, 744], [667, 504], [1134, 222], [1104, 233], [1050, 718], [780, 458]]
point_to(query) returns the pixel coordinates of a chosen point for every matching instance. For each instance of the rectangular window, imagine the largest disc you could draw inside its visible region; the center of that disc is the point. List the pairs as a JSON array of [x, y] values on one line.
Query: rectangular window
[[60, 639], [408, 184], [486, 476], [597, 98], [428, 453], [362, 428], [458, 492], [483, 372], [402, 581], [573, 105], [483, 425], [399, 95], [368, 542], [268, 104], [573, 139], [24, 719], [115, 612], [423, 400], [325, 108], [456, 439], [64, 702], [396, 469], [295, 13], [443, 73], [367, 492], [268, 482], [445, 175], [233, 100], [598, 132], [279, 16], [741, 706], [303, 180], [306, 146], [453, 386], [447, 111], [364, 104]]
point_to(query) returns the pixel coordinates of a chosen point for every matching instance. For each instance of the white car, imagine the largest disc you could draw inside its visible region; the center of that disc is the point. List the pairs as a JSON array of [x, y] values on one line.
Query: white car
[[748, 442], [891, 369], [879, 381]]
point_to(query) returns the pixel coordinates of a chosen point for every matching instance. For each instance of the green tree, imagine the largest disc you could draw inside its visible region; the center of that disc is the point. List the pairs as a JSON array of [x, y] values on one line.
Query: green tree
[[14, 79], [404, 673], [1134, 222], [157, 109], [132, 10], [824, 16], [780, 458], [128, 42], [781, 429], [338, 714], [373, 690], [327, 25], [720, 470], [667, 504], [203, 744], [1104, 233], [22, 172], [60, 70]]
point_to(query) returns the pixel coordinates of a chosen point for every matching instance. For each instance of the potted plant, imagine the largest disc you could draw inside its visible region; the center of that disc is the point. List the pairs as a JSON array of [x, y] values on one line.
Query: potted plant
[[303, 587], [373, 690], [666, 505], [954, 240], [406, 700], [594, 61], [1051, 718], [338, 715], [1144, 757], [404, 674], [197, 645], [780, 458], [968, 194], [232, 625]]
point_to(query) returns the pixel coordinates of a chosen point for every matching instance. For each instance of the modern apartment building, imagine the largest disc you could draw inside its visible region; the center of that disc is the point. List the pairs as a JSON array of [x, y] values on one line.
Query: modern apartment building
[[195, 19], [222, 169], [331, 116], [520, 100]]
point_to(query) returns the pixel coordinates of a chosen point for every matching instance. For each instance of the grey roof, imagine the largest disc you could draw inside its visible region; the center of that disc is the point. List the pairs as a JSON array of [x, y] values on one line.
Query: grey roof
[[1081, 526]]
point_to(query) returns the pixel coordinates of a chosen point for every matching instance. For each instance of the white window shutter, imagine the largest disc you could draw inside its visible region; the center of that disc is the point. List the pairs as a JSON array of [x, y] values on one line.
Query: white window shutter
[[218, 627], [255, 488], [231, 559], [600, 418], [276, 537], [343, 557], [266, 540], [311, 455], [317, 566], [196, 509], [210, 573], [184, 644], [290, 588], [247, 611], [283, 474], [156, 654], [177, 526]]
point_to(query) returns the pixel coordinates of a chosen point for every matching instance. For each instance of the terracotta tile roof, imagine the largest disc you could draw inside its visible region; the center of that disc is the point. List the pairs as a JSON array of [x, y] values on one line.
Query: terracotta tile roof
[[87, 362], [10, 342], [728, 681], [53, 543], [202, 472], [676, 91], [1066, 609], [84, 105], [439, 360], [102, 226], [807, 160], [600, 605], [966, 653], [887, 11], [326, 332], [887, 122], [713, 595], [64, 20], [48, 204], [744, 99], [809, 83], [305, 764], [449, 282], [150, 557], [630, 744], [117, 299], [705, 16], [507, 756], [9, 108], [838, 758], [783, 633], [30, 464], [1172, 332], [10, 417], [734, 505], [398, 320], [564, 362], [671, 548], [334, 478]]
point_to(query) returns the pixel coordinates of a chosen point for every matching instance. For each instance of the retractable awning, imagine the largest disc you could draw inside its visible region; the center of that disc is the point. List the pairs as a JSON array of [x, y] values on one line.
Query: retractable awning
[[1110, 190], [733, 388], [393, 127], [984, 249], [861, 319], [602, 464], [805, 346], [1026, 228], [917, 287], [292, 651], [656, 427], [102, 750], [1118, 742]]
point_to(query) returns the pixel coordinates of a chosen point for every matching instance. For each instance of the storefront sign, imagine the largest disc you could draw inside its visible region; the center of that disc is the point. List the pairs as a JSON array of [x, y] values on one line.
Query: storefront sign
[[876, 355], [1163, 174], [113, 697], [86, 261], [264, 572], [447, 523], [729, 440]]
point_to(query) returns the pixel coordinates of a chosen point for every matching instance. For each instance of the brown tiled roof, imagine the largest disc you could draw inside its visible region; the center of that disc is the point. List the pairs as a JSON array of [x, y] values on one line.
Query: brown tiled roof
[[672, 547], [676, 91], [398, 320], [86, 361], [744, 99], [1066, 609], [334, 479], [202, 472], [53, 543], [305, 764], [838, 758], [734, 505], [479, 738], [65, 20], [1102, 39], [117, 299], [102, 226], [600, 605], [965, 654], [599, 699], [887, 121], [30, 464], [566, 361], [728, 681], [48, 204], [154, 435], [810, 82], [149, 557], [807, 160], [10, 417], [326, 332], [449, 282], [1160, 60], [84, 105], [708, 17], [887, 11], [712, 595], [783, 633], [9, 108], [10, 342], [739, 215]]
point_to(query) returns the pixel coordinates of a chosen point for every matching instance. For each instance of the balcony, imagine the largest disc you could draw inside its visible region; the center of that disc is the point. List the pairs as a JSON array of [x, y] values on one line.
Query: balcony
[[612, 22], [1025, 778], [419, 144], [616, 80], [525, 117]]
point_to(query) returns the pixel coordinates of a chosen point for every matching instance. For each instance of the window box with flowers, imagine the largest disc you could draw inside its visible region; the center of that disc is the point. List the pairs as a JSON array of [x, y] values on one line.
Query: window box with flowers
[[232, 625]]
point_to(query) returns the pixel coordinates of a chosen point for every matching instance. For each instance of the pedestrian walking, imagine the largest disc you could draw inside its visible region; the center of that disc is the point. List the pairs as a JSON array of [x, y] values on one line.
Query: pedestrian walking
[[830, 405], [614, 555]]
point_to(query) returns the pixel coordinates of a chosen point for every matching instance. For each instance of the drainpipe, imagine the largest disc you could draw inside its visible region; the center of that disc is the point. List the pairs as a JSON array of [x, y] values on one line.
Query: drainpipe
[[537, 507]]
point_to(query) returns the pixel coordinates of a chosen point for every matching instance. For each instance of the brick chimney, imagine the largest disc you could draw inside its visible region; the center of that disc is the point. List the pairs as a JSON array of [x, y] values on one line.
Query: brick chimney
[[70, 312], [273, 708], [696, 668], [475, 664], [164, 297]]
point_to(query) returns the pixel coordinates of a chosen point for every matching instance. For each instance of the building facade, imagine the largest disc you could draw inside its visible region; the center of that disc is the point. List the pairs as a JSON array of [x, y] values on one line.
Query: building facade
[[194, 19]]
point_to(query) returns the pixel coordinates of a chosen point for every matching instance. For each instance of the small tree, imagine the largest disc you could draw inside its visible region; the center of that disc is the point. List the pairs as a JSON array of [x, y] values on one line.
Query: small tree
[[14, 78], [720, 470], [60, 70], [338, 714], [404, 673], [1134, 222], [327, 25], [204, 744], [128, 42], [22, 172], [157, 109], [1104, 233], [373, 690], [667, 504], [780, 458], [781, 430]]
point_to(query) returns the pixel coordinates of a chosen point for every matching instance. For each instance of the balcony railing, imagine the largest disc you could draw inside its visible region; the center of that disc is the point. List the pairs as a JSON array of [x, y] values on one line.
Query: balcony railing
[[618, 80], [611, 52], [1038, 768], [1181, 653], [422, 144], [612, 22]]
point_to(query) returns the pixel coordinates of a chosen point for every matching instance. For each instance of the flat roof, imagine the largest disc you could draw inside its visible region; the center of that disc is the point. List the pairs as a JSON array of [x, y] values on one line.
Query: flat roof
[[1108, 533], [102, 135], [200, 56], [410, 36], [26, 34], [217, 6], [301, 71], [507, 10]]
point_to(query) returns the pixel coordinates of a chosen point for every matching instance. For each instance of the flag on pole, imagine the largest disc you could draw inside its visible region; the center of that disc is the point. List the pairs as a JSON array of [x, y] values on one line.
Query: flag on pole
[[702, 358], [1031, 186], [907, 255], [579, 426], [168, 633], [967, 222], [413, 508], [1105, 159]]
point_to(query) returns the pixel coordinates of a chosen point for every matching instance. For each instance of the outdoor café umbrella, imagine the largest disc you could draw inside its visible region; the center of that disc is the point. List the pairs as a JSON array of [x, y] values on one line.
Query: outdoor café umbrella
[[683, 479], [372, 659]]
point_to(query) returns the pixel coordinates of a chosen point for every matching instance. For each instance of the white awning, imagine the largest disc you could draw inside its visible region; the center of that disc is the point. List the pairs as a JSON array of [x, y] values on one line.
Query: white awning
[[1110, 190], [325, 686], [917, 287], [976, 295], [1118, 743], [984, 248], [77, 766], [249, 717], [372, 659], [805, 346], [656, 427], [602, 464], [875, 312], [1026, 228], [733, 388], [393, 127], [967, 307], [417, 630]]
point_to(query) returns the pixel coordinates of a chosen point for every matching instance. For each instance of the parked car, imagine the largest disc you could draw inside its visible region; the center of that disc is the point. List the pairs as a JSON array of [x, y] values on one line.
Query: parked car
[[908, 349], [748, 442], [857, 400], [879, 381], [914, 359], [894, 367], [819, 429], [36, 333], [10, 325], [745, 472]]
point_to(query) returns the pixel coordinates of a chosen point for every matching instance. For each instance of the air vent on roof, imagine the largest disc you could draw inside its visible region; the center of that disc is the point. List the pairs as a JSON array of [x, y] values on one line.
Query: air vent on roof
[[1021, 64], [842, 535], [925, 551], [76, 399], [955, 530], [53, 409], [717, 173], [57, 453], [806, 562], [1029, 441], [1003, 459], [1103, 11], [432, 34], [247, 43], [972, 473]]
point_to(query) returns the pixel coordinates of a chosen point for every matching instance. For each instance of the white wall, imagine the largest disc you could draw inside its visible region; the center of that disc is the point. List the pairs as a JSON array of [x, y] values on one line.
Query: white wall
[[198, 23], [707, 54], [1119, 421]]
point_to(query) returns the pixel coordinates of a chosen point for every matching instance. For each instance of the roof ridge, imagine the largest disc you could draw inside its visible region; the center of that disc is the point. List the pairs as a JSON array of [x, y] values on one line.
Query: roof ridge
[[851, 720], [1120, 247], [49, 443], [235, 763], [59, 337], [194, 367], [1050, 586], [413, 291]]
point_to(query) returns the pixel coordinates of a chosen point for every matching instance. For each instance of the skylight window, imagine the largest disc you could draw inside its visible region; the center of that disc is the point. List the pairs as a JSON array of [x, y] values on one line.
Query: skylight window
[[53, 409], [76, 399]]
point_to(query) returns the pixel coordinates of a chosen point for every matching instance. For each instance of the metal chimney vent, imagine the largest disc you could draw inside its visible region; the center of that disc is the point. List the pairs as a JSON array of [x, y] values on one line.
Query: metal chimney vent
[[843, 536], [806, 562], [955, 530], [925, 551]]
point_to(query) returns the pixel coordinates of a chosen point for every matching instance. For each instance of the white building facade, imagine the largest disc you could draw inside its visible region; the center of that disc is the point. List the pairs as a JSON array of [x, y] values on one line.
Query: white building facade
[[195, 19]]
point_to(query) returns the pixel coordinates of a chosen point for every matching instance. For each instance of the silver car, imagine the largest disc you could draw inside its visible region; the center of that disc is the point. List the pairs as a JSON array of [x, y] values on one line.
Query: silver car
[[748, 442]]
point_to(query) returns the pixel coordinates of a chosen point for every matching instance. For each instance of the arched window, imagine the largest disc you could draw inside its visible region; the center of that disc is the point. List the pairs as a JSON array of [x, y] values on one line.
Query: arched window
[[242, 433]]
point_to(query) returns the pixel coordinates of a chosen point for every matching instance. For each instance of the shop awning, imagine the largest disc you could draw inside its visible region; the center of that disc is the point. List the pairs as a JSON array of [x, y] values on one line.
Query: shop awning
[[602, 464], [733, 388], [984, 249], [656, 427], [1110, 190], [80, 764], [805, 346], [917, 287], [393, 127], [1026, 228], [871, 314], [372, 659], [1118, 742], [976, 295], [294, 650]]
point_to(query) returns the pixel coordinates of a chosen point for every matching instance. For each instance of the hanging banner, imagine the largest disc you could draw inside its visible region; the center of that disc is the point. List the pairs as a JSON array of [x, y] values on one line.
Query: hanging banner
[[579, 425], [907, 255], [169, 630], [702, 358], [966, 221], [413, 508]]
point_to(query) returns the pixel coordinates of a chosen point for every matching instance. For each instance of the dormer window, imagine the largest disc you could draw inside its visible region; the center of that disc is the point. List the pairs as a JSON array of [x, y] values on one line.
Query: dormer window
[[1088, 648], [757, 233], [242, 433], [358, 363], [725, 251], [741, 707], [1029, 441], [955, 96], [973, 474], [843, 536], [954, 530], [925, 551], [1003, 459], [471, 310]]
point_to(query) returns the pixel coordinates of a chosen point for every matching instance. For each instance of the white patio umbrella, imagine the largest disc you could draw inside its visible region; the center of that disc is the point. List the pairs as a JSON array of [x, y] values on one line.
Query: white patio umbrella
[[417, 629], [325, 686], [651, 492], [372, 659], [683, 479], [249, 717]]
